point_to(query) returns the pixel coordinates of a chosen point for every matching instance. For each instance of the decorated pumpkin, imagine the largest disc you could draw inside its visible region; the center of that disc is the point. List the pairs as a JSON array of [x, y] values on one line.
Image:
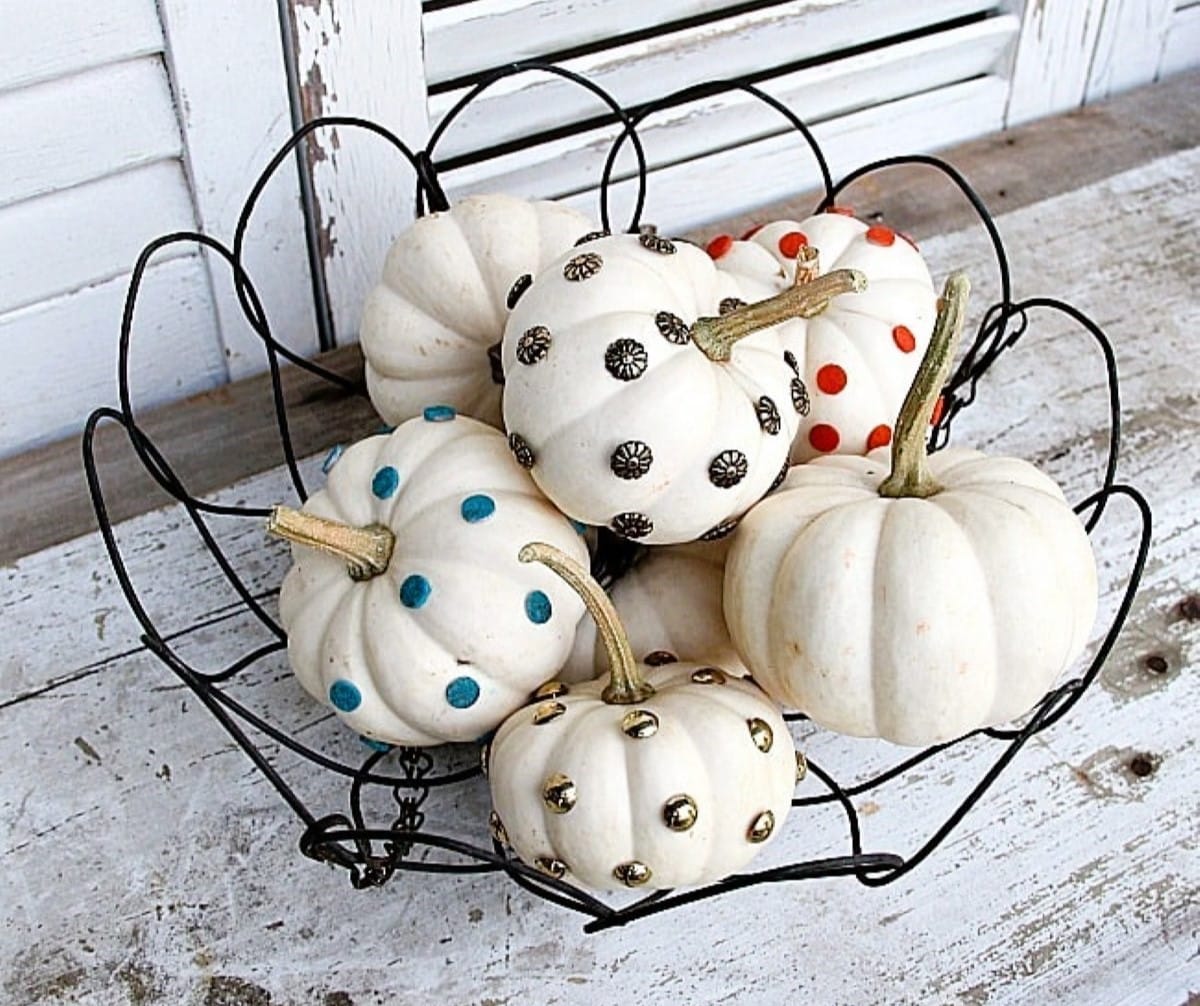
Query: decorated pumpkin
[[909, 597], [645, 394], [406, 608], [431, 328], [857, 358], [653, 777], [671, 606]]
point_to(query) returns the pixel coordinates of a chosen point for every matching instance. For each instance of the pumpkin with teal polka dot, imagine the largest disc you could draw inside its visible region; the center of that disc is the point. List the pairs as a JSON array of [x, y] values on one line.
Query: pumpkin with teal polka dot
[[647, 391], [406, 608], [856, 360], [431, 327]]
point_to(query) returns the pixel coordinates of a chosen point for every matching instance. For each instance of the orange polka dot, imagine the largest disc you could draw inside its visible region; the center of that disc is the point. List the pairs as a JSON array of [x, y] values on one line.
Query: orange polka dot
[[751, 232], [831, 378], [885, 237], [938, 408], [824, 438], [719, 245], [881, 436], [845, 211], [791, 243], [905, 341]]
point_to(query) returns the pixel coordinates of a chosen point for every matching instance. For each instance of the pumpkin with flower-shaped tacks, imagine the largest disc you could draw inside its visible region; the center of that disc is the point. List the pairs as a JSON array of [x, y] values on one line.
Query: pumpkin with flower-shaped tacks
[[406, 608], [646, 394], [654, 777], [670, 603], [911, 598], [858, 358], [431, 328]]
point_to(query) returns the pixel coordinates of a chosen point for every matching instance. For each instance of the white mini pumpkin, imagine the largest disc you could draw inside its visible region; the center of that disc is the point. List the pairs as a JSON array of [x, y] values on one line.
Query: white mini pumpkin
[[671, 606], [655, 777], [857, 358], [431, 327], [622, 417], [915, 604], [410, 614]]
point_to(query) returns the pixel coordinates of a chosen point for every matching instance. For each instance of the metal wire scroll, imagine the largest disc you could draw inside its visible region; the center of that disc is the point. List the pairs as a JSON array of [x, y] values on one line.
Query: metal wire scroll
[[373, 846]]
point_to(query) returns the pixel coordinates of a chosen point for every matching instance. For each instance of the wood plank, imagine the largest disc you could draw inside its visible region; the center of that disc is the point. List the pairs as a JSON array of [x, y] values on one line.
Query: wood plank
[[66, 132], [1182, 49], [818, 92], [45, 504], [55, 38], [749, 43], [1054, 56], [364, 60], [235, 113], [90, 233], [54, 343], [1129, 47], [1079, 869]]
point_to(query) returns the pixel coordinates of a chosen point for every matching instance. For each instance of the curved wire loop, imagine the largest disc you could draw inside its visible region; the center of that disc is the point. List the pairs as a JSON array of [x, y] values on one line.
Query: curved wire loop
[[372, 853]]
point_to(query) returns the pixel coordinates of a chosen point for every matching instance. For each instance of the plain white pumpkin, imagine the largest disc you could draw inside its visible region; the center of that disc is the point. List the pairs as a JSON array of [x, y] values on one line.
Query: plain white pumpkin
[[448, 284], [857, 358], [452, 633], [910, 598], [656, 777], [621, 416], [672, 608]]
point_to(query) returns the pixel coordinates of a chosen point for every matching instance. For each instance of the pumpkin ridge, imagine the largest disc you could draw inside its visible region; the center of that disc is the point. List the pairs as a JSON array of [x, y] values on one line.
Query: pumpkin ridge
[[390, 348], [472, 285]]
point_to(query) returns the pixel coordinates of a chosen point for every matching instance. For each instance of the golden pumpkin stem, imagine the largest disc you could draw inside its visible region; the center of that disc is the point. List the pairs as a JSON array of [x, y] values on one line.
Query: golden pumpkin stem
[[910, 473], [625, 682], [716, 337], [367, 550]]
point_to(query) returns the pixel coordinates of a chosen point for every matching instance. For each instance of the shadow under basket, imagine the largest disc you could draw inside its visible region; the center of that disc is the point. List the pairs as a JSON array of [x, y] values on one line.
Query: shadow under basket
[[380, 827]]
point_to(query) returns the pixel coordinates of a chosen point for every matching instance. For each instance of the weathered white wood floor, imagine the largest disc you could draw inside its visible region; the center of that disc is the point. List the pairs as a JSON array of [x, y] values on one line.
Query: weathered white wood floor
[[142, 860]]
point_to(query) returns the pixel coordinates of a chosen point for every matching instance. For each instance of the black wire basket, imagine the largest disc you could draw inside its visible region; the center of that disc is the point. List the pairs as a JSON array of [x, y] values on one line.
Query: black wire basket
[[380, 826]]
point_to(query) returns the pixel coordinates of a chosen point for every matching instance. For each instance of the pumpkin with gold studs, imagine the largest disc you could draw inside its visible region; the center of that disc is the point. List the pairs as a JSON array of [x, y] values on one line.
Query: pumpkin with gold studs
[[653, 777], [648, 392], [857, 359], [406, 608]]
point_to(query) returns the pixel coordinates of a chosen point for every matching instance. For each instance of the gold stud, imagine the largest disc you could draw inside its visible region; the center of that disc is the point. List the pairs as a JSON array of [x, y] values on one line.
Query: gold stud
[[659, 658], [550, 866], [632, 874], [496, 827], [680, 812], [547, 712], [761, 828], [761, 733], [801, 766], [485, 752], [639, 724], [708, 676], [558, 793], [551, 689]]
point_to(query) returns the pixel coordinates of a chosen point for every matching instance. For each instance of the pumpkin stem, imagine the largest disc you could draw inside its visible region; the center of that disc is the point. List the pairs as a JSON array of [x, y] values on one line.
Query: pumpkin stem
[[910, 474], [625, 682], [716, 336], [367, 550]]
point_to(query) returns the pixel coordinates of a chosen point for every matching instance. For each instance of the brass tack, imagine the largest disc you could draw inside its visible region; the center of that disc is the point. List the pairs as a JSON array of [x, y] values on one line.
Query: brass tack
[[639, 724], [550, 866], [496, 827], [680, 812], [547, 712], [708, 676], [551, 689], [558, 793], [632, 874], [761, 733], [761, 827]]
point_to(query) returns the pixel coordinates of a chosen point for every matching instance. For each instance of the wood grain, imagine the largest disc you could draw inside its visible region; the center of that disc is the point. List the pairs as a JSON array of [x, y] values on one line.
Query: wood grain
[[47, 503], [143, 860]]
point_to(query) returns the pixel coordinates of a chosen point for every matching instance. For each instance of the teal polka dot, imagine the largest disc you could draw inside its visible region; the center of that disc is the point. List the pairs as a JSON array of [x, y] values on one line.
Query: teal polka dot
[[579, 527], [331, 459], [386, 482], [374, 745], [345, 695], [537, 607], [415, 591], [462, 693], [477, 508], [439, 413]]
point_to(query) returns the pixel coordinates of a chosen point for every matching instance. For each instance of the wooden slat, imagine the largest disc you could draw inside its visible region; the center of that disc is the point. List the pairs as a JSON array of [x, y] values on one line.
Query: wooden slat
[[89, 233], [54, 38], [66, 132], [1054, 57], [1130, 46], [235, 113], [470, 38], [749, 43], [701, 192], [71, 342], [1182, 49], [817, 93], [44, 502]]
